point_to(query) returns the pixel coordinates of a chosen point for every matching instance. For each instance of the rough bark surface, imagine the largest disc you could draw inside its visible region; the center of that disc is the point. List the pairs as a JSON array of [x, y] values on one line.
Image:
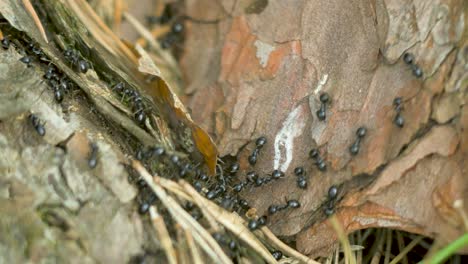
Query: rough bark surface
[[261, 69]]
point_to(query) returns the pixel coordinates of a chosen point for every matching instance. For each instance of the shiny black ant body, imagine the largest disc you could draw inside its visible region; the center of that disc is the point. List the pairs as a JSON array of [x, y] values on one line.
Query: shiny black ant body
[[319, 162], [321, 113], [294, 204], [408, 58], [277, 254], [38, 126], [360, 133], [5, 43], [254, 224], [398, 104], [92, 158], [27, 60], [329, 208], [74, 57], [259, 143], [301, 180]]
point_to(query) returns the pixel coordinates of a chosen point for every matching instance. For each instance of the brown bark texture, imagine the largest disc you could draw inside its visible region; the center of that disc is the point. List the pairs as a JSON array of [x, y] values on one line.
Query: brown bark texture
[[260, 70]]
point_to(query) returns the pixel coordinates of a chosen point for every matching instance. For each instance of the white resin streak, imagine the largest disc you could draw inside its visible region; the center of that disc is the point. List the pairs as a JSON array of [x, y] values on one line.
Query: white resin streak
[[284, 140], [321, 83]]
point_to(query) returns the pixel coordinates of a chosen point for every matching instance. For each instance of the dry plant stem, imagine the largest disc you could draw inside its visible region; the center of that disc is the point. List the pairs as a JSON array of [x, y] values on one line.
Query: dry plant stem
[[105, 35], [270, 237], [401, 246], [378, 249], [163, 235], [182, 247], [458, 205], [196, 258], [388, 246], [233, 223], [149, 37], [37, 21], [359, 241], [200, 201], [203, 238], [337, 254], [349, 257], [174, 188], [117, 16], [405, 251]]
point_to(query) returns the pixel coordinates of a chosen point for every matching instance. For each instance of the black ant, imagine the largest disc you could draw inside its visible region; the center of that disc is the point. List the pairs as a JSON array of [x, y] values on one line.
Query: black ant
[[319, 162], [273, 209], [398, 120], [330, 205], [27, 60], [408, 58], [301, 180], [360, 133], [38, 126], [256, 223], [321, 113], [277, 254], [92, 160], [76, 61], [5, 43], [259, 143]]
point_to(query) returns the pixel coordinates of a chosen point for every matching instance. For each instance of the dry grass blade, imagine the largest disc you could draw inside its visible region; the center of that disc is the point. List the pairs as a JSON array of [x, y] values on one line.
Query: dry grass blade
[[163, 235], [233, 223], [174, 188], [37, 21], [150, 38], [203, 238], [349, 256], [201, 203], [99, 30], [406, 250], [285, 248], [458, 205], [196, 258], [183, 250], [388, 246], [401, 246]]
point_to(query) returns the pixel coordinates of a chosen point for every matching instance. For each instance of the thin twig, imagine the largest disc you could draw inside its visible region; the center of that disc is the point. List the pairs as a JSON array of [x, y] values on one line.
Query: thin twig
[[200, 202], [27, 4], [401, 246], [163, 235], [388, 246], [379, 247], [405, 251], [234, 223], [196, 258], [203, 238], [285, 248], [349, 258]]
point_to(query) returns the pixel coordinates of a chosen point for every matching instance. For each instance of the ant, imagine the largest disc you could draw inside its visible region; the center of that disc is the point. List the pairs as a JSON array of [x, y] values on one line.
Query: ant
[[27, 60], [259, 143], [315, 154], [301, 180], [256, 223], [408, 58], [360, 133], [321, 113], [76, 61], [5, 43], [398, 104], [332, 195], [92, 160], [38, 126], [273, 209]]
